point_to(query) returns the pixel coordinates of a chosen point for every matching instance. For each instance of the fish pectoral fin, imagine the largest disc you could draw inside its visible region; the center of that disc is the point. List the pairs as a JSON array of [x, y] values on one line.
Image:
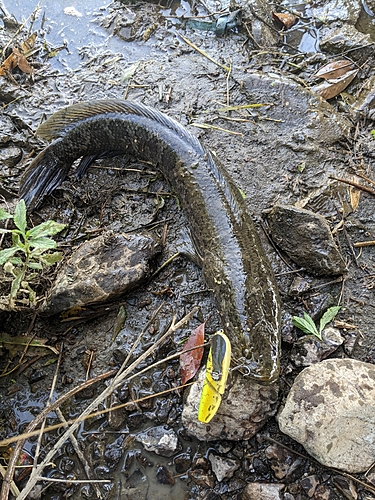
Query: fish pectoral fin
[[88, 160], [44, 174], [186, 246]]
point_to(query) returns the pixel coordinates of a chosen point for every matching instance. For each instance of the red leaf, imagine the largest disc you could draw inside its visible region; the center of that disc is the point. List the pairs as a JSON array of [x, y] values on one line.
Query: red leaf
[[190, 361]]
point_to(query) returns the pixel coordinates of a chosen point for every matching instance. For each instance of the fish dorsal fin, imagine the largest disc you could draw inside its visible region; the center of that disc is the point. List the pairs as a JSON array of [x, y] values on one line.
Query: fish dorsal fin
[[58, 123]]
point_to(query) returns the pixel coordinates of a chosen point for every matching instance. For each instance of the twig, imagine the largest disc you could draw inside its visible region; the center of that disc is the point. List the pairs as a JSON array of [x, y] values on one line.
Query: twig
[[134, 346], [73, 481], [21, 28], [168, 261], [34, 423], [118, 379], [228, 77], [360, 244], [100, 413], [79, 454], [352, 183], [202, 52], [49, 401], [13, 487], [213, 127]]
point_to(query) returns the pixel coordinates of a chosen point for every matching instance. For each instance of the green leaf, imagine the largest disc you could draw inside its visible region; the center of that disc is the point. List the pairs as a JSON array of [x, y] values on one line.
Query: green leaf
[[16, 239], [328, 316], [242, 193], [48, 228], [35, 265], [42, 243], [4, 214], [129, 72], [306, 324], [20, 216], [16, 283], [16, 261], [49, 259], [6, 254], [372, 132]]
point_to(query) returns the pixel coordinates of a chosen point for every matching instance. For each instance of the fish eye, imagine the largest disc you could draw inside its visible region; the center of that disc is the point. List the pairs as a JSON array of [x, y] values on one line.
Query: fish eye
[[216, 375]]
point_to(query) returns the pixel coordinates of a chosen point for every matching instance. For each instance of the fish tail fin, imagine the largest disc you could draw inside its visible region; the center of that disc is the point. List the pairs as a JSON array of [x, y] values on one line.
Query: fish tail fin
[[44, 174]]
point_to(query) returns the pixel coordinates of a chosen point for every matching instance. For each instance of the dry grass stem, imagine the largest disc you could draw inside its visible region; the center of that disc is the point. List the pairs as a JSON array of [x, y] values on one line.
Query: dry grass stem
[[118, 379]]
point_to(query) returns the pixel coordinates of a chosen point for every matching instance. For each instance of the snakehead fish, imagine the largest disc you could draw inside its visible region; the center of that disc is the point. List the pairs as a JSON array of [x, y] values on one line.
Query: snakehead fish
[[234, 263]]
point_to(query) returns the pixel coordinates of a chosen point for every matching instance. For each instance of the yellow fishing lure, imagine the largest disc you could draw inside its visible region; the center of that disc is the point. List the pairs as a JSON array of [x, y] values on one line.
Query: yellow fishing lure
[[217, 369]]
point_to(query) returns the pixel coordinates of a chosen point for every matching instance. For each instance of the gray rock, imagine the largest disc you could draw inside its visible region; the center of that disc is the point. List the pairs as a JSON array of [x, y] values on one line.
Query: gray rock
[[222, 467], [285, 464], [7, 130], [262, 491], [161, 440], [364, 104], [309, 484], [330, 410], [346, 38], [336, 10], [346, 486], [306, 238], [245, 408], [309, 349], [101, 269], [260, 24], [10, 156]]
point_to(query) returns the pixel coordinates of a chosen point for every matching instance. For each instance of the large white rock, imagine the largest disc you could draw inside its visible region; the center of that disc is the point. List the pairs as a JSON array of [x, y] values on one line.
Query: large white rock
[[330, 410]]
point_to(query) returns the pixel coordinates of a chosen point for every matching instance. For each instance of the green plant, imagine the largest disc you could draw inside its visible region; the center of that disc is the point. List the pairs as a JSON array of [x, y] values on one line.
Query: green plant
[[307, 325], [28, 251]]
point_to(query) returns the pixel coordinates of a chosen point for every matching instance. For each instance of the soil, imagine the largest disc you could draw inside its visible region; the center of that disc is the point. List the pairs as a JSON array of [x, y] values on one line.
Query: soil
[[123, 195]]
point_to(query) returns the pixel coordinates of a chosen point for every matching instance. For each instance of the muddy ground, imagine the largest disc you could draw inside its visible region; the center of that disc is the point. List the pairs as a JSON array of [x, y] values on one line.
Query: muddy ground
[[126, 196]]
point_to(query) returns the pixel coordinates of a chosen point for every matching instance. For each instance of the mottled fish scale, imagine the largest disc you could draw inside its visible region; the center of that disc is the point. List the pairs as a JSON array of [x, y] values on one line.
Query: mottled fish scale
[[57, 124], [235, 266]]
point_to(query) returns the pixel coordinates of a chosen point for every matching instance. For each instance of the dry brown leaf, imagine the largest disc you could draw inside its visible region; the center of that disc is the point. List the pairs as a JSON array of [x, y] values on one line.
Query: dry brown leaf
[[28, 44], [287, 20], [355, 195], [16, 59], [335, 69], [331, 88], [22, 62]]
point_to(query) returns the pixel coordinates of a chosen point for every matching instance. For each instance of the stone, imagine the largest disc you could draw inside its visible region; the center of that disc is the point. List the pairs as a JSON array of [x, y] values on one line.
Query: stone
[[101, 269], [10, 156], [330, 410], [309, 484], [222, 467], [245, 408], [306, 238], [285, 464], [161, 440], [346, 486], [310, 349], [336, 10], [262, 491], [164, 476], [345, 38]]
